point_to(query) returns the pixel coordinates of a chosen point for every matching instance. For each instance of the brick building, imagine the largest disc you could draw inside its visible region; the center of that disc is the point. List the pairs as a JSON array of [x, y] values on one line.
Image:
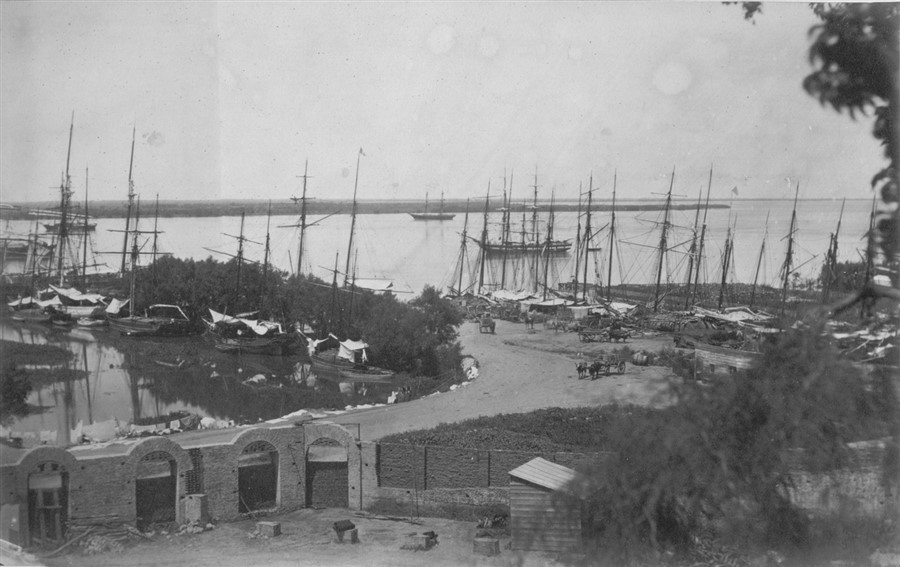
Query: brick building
[[149, 480]]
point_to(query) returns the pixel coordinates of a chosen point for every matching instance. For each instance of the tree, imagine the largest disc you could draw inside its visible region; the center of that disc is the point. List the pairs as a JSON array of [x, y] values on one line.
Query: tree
[[855, 56], [723, 455], [14, 390]]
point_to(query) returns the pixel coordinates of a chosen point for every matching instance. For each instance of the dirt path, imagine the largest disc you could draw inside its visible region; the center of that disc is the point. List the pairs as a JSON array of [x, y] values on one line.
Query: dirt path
[[308, 540], [520, 371]]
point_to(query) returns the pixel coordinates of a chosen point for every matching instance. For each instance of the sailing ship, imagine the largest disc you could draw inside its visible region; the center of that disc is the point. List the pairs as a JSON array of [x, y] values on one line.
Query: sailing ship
[[524, 261], [241, 334], [159, 320], [24, 255], [439, 216], [348, 362]]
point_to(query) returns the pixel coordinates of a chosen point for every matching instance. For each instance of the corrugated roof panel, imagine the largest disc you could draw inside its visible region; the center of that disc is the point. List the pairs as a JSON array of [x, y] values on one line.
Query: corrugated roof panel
[[544, 473]]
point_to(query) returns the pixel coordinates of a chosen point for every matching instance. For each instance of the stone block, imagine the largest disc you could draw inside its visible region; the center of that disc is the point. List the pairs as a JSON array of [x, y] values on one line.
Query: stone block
[[345, 536], [486, 546], [196, 510], [419, 542], [269, 529]]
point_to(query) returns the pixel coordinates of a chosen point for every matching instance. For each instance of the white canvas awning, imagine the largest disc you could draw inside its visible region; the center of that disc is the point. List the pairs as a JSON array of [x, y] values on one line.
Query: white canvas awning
[[115, 306], [349, 349]]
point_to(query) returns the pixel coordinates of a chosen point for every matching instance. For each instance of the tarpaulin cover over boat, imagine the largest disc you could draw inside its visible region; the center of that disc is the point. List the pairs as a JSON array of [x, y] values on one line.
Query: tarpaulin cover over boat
[[75, 295], [115, 306], [259, 327], [350, 349], [55, 301]]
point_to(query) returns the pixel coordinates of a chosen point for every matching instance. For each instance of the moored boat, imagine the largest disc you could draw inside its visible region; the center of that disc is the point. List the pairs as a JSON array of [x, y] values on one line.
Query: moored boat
[[438, 216], [348, 363], [158, 320], [250, 336]]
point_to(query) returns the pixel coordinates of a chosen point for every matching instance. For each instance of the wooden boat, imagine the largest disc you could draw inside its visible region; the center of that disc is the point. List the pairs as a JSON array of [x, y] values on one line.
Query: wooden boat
[[248, 336], [91, 323], [348, 363], [53, 228], [158, 320], [426, 216]]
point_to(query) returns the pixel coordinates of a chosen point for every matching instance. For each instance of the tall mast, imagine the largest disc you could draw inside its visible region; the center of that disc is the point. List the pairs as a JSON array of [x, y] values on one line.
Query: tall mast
[[155, 234], [352, 221], [240, 263], [612, 240], [265, 277], [577, 245], [534, 234], [831, 259], [462, 249], [484, 231], [504, 237], [692, 252], [789, 256], [134, 255], [547, 245], [726, 260], [866, 304], [663, 242], [426, 202], [130, 198], [587, 236], [331, 328], [302, 219], [85, 235], [693, 296], [762, 250], [66, 193]]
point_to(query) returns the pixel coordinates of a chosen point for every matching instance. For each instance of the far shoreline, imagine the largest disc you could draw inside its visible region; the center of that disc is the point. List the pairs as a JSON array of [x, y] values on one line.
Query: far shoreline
[[284, 207]]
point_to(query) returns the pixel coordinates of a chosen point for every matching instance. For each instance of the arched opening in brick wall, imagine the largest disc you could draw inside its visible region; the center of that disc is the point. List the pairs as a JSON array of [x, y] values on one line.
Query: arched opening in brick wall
[[258, 477], [156, 489], [48, 504], [327, 475]]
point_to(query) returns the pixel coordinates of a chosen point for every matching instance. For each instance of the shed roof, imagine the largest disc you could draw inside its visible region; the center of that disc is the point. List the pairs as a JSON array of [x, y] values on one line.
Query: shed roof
[[544, 473]]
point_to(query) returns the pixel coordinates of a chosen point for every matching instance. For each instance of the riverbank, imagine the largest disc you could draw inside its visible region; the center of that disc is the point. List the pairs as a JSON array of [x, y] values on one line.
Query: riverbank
[[521, 371]]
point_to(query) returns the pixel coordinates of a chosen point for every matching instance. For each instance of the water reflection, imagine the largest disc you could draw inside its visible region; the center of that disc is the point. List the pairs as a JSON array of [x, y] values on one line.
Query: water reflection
[[111, 379]]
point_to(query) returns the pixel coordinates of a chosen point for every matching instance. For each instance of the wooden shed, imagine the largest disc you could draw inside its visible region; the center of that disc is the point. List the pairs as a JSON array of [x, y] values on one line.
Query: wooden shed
[[543, 514]]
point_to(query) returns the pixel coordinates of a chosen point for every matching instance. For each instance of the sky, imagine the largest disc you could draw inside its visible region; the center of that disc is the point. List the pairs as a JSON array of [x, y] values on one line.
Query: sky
[[230, 99]]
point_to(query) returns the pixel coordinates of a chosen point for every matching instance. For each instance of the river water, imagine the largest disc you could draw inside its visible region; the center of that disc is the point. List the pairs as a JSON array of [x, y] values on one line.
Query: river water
[[415, 253], [117, 378]]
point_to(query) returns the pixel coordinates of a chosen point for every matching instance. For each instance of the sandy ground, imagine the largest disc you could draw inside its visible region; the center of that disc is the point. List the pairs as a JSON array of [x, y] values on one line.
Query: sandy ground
[[519, 371], [308, 540]]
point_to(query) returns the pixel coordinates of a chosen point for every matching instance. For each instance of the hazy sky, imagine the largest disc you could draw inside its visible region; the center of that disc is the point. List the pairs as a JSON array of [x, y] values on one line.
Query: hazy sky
[[230, 98]]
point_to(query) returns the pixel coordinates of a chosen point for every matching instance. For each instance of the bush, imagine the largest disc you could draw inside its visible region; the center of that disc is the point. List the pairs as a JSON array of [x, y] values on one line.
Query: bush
[[14, 389]]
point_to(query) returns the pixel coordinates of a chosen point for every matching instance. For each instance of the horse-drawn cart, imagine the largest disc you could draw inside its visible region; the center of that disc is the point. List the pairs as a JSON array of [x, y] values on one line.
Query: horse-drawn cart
[[593, 335], [606, 363], [486, 324], [603, 335]]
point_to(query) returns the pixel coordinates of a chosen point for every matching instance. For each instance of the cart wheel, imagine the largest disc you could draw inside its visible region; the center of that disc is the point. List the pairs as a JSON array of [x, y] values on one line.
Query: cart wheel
[[622, 367]]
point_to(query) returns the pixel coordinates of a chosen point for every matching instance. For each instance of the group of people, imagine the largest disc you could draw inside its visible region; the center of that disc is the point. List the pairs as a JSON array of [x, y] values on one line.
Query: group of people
[[403, 395]]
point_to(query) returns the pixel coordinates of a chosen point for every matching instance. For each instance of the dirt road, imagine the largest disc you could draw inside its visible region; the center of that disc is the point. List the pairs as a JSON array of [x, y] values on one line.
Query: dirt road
[[520, 371]]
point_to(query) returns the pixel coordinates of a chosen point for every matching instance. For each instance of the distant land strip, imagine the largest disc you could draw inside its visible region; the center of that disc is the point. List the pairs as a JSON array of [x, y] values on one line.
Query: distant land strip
[[314, 207]]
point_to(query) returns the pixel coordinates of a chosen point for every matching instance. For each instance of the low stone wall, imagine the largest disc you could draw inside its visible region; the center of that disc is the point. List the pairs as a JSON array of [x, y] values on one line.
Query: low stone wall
[[468, 504], [862, 489]]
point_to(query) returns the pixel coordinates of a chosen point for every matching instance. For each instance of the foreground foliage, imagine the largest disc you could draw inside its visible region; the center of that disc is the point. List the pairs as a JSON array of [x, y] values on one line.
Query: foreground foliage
[[722, 456]]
